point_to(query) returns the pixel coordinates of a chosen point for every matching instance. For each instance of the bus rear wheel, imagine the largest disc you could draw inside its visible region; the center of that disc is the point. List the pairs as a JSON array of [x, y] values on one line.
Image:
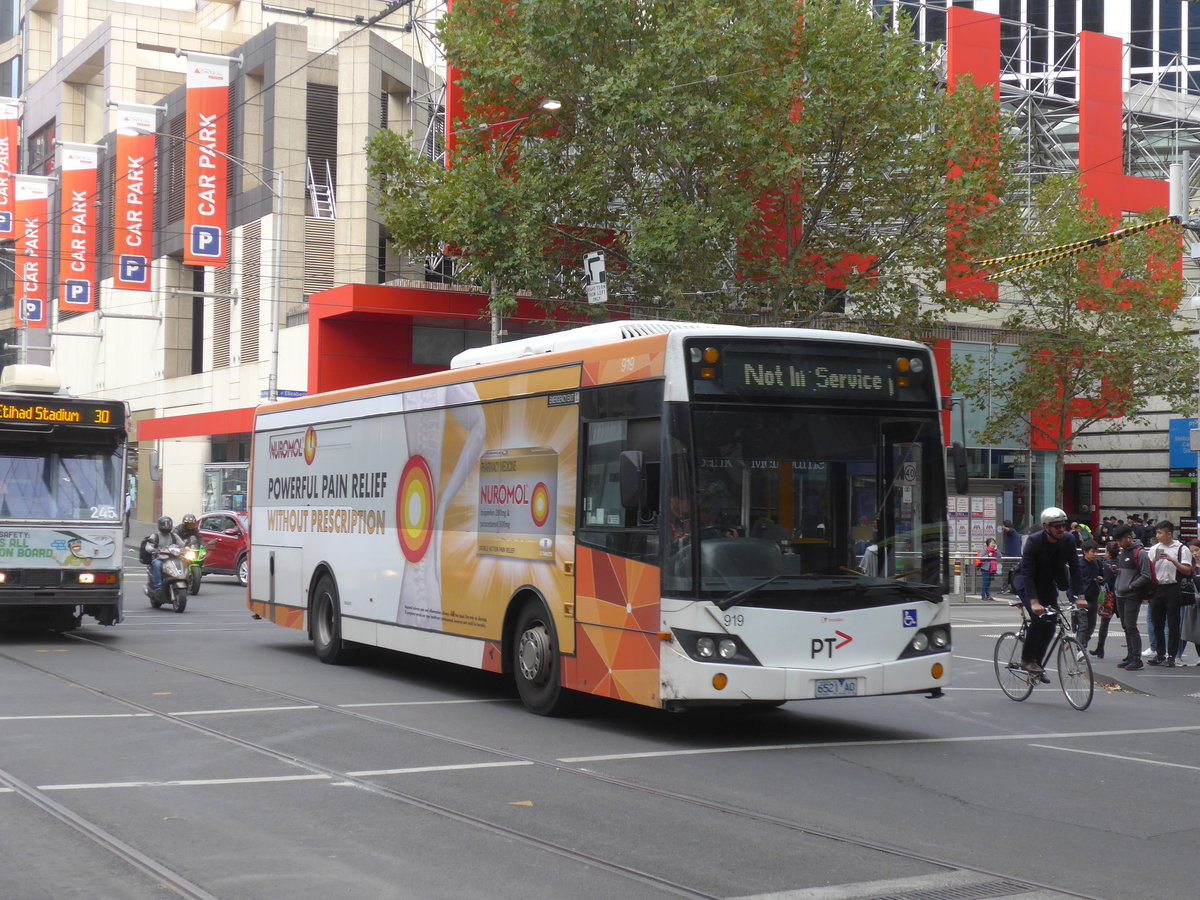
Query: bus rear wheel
[[327, 624], [536, 664]]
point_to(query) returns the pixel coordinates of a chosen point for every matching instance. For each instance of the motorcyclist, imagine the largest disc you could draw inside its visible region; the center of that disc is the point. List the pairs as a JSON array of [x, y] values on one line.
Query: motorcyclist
[[164, 537], [188, 531]]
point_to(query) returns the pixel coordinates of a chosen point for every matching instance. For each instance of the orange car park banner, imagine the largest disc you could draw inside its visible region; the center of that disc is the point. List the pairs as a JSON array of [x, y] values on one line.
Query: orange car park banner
[[10, 120], [207, 169], [133, 206], [32, 197], [77, 228]]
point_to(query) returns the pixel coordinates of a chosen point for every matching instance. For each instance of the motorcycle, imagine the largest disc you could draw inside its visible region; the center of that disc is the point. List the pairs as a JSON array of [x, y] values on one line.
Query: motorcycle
[[174, 588], [194, 555]]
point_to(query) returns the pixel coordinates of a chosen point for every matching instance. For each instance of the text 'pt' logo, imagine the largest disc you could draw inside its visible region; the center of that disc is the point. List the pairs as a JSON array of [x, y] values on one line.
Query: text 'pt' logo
[[415, 508], [826, 646]]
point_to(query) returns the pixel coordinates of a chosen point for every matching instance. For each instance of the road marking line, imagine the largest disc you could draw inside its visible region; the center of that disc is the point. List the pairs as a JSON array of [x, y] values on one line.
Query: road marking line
[[78, 716], [416, 770], [421, 703], [279, 779], [199, 782], [221, 712], [827, 745], [1150, 762]]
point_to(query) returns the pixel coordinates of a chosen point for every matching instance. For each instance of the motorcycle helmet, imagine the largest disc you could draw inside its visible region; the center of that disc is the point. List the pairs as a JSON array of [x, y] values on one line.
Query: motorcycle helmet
[[188, 523], [165, 523], [1052, 515]]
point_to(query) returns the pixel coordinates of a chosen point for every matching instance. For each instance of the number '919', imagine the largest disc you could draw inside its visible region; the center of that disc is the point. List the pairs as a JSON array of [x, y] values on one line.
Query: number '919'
[[736, 620]]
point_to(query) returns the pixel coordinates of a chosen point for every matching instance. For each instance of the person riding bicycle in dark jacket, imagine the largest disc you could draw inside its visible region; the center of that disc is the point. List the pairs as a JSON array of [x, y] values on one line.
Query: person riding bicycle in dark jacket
[[1049, 561]]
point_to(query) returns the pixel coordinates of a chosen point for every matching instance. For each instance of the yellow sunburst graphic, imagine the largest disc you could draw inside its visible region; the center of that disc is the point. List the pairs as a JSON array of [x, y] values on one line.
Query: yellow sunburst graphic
[[310, 445], [539, 504], [415, 508]]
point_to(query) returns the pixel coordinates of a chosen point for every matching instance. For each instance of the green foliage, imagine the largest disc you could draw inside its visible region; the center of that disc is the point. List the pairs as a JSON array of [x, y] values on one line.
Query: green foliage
[[1097, 333], [692, 136]]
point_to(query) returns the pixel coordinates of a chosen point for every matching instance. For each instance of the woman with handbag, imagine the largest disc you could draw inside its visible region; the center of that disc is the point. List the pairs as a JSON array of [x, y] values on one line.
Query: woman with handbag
[[988, 564]]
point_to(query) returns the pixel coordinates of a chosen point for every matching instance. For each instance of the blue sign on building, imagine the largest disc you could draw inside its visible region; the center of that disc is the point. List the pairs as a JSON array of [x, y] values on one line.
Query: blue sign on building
[[1181, 458]]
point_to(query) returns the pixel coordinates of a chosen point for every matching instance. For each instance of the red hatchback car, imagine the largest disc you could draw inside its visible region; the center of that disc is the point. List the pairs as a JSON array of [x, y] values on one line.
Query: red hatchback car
[[227, 536]]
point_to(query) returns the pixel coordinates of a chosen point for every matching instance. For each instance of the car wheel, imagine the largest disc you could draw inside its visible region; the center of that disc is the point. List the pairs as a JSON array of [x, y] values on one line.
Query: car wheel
[[243, 570]]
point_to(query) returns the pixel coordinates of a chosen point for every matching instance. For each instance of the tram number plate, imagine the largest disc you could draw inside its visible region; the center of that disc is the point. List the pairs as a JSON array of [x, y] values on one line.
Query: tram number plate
[[837, 687]]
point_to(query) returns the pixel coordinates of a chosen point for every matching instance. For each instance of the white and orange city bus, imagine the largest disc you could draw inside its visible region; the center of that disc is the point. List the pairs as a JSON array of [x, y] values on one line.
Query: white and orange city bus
[[664, 513]]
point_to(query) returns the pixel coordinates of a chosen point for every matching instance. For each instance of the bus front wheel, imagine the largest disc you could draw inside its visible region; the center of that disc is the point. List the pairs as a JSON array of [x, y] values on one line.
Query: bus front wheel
[[536, 664], [327, 624]]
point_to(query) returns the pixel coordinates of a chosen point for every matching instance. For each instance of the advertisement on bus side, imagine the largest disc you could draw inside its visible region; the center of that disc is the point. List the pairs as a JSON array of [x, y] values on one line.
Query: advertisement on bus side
[[431, 517]]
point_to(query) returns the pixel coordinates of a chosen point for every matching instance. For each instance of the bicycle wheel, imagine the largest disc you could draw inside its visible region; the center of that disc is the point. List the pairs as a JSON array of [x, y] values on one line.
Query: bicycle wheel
[[1075, 673], [1014, 681]]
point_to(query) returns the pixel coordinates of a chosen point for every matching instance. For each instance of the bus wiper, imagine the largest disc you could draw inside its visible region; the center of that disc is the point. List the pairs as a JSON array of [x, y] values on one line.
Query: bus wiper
[[734, 599], [924, 591]]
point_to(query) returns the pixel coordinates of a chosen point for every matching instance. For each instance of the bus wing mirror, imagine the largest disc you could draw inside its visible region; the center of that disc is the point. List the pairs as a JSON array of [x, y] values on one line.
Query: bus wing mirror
[[958, 457], [632, 479]]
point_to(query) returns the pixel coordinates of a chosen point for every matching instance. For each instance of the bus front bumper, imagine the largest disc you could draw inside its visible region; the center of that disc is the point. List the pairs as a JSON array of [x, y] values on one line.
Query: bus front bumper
[[684, 679]]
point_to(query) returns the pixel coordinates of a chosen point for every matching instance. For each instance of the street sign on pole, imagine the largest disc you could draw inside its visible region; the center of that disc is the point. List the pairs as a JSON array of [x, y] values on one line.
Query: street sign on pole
[[597, 288]]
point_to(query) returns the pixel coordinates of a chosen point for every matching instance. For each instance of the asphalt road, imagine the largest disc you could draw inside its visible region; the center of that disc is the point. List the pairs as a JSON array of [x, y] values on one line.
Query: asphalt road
[[210, 755]]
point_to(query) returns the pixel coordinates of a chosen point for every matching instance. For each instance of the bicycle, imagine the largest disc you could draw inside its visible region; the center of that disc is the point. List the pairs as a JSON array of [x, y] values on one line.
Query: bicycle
[[1074, 668]]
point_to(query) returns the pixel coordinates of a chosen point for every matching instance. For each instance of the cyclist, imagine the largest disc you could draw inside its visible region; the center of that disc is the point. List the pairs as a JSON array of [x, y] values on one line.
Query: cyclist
[[1049, 561]]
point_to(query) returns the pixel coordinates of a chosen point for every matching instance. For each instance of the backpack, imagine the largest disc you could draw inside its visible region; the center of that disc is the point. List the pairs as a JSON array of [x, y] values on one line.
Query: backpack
[[1153, 589]]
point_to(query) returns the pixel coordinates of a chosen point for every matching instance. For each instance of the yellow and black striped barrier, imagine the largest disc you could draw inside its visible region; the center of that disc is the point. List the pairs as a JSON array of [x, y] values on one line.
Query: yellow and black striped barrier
[[1051, 254]]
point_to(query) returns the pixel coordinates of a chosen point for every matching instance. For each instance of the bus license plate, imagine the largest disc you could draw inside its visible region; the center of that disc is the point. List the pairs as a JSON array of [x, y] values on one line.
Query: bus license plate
[[837, 687]]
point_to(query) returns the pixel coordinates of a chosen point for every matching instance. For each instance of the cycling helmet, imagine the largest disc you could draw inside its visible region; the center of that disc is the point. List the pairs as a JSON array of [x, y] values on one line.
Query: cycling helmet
[[188, 523], [165, 523], [1052, 515]]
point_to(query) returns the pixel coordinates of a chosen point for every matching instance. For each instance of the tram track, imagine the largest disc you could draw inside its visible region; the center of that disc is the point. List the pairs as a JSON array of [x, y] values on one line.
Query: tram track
[[423, 804]]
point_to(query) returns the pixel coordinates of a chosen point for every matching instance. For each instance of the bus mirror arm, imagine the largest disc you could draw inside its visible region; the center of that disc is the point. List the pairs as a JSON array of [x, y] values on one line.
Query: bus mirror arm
[[958, 457], [632, 479]]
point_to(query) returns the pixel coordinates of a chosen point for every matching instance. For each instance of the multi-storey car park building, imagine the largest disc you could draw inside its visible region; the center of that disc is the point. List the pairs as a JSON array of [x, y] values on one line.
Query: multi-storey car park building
[[312, 298]]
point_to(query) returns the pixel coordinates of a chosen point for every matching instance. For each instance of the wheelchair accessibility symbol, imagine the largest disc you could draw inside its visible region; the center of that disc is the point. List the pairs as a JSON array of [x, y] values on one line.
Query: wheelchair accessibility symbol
[[909, 617]]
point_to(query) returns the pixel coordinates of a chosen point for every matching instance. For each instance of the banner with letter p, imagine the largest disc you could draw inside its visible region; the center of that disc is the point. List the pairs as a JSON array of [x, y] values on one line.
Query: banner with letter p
[[133, 206], [77, 227], [206, 186], [32, 198], [10, 139]]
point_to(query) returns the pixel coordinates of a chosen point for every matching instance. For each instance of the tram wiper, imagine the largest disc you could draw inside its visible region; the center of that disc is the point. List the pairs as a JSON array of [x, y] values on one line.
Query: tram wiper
[[734, 599]]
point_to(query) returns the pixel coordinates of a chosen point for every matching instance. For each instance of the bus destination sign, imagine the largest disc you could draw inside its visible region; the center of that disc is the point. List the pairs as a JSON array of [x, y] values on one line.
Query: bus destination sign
[[817, 378], [798, 371], [47, 411]]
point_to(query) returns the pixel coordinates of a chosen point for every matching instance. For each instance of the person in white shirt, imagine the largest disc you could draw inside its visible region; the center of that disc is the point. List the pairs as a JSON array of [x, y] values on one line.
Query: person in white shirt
[[1172, 561]]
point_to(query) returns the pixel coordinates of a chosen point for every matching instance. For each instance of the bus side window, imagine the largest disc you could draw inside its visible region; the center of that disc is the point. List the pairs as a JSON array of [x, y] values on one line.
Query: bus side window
[[605, 522]]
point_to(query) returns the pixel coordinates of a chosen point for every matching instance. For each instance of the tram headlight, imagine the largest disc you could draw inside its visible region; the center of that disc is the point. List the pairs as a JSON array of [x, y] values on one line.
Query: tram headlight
[[727, 648], [705, 647]]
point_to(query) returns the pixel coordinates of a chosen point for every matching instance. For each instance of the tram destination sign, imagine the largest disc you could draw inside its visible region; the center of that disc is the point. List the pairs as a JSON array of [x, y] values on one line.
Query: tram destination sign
[[69, 412]]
